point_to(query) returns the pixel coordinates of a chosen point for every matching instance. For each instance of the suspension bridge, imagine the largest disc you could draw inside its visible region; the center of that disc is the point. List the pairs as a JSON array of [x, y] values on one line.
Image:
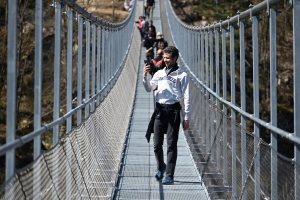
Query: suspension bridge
[[104, 153]]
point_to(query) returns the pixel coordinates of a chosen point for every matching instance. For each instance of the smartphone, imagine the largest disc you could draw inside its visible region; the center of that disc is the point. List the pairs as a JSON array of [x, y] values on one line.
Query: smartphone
[[146, 62]]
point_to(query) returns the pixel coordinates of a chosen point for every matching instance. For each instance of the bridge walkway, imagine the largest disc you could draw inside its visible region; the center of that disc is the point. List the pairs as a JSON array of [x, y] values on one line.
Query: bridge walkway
[[137, 179]]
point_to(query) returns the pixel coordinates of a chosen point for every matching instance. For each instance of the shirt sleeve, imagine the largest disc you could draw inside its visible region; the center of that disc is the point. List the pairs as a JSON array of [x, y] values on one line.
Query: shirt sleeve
[[150, 85], [186, 96]]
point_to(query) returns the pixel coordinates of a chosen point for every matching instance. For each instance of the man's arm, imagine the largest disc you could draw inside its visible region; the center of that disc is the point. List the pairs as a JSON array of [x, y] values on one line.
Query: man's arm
[[186, 95], [186, 98]]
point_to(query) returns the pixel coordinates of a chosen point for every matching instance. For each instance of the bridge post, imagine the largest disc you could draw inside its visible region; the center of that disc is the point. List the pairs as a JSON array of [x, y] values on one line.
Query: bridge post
[[11, 86], [105, 58], [202, 40], [202, 60], [69, 68], [296, 60], [206, 81], [243, 104], [93, 83], [211, 97], [197, 50], [79, 69], [225, 160], [233, 112], [188, 42], [255, 20], [217, 53], [68, 174], [57, 63], [56, 98], [207, 137], [108, 64], [87, 67], [198, 74], [38, 75], [211, 64], [273, 101], [102, 62], [98, 64]]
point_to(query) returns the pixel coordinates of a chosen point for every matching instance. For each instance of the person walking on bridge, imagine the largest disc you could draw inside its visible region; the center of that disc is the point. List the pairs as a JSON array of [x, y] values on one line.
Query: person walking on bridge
[[150, 7], [172, 84]]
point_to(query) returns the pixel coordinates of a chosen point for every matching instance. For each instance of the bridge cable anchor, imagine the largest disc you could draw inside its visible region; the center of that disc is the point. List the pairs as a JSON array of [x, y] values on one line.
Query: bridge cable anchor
[[238, 12], [251, 6], [228, 18], [215, 26]]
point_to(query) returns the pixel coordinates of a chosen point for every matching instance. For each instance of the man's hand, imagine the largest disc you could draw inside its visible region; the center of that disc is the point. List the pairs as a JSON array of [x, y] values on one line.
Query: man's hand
[[185, 124], [146, 70]]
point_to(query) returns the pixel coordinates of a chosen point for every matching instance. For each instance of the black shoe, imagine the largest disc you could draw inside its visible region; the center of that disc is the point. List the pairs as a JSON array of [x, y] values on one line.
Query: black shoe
[[168, 181], [160, 173]]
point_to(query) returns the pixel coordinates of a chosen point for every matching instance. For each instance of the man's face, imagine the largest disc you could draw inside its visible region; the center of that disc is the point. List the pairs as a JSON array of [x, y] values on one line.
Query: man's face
[[170, 62]]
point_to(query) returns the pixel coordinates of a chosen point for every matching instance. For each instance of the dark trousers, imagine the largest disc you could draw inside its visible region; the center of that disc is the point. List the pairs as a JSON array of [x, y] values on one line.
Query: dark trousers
[[169, 123]]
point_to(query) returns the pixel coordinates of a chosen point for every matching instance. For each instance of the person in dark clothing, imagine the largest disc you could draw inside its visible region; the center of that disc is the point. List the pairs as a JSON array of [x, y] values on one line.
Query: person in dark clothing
[[150, 7], [148, 44], [146, 8], [152, 29], [172, 84], [160, 42]]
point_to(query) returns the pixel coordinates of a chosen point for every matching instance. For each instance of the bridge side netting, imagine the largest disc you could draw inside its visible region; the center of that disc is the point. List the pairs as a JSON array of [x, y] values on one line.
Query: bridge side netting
[[85, 163], [210, 141]]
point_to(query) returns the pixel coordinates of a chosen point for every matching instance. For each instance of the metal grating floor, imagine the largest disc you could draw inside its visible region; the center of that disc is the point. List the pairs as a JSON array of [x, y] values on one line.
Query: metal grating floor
[[137, 179]]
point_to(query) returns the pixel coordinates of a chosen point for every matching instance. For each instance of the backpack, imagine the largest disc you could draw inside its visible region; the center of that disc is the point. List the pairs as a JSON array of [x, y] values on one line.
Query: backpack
[[161, 45], [156, 65], [159, 62]]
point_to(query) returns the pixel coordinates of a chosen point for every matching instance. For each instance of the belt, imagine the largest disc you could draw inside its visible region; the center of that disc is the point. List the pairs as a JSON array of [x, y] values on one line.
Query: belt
[[167, 107]]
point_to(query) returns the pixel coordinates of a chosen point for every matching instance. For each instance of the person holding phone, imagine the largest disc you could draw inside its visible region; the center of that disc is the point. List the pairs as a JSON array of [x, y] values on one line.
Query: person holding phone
[[172, 84]]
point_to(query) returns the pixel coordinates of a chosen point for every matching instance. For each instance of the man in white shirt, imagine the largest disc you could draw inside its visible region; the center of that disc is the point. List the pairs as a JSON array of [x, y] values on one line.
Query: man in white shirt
[[172, 84]]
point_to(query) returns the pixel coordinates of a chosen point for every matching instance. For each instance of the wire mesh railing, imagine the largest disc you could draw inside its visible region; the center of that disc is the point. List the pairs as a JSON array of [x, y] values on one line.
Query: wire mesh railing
[[232, 158], [96, 60]]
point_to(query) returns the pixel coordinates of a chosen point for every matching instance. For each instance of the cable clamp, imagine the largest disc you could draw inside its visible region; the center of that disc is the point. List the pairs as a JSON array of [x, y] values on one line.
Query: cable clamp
[[250, 6], [228, 18], [238, 12]]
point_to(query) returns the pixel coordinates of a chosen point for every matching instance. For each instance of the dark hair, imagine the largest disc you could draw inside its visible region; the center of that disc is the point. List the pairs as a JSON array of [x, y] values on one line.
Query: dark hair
[[173, 51], [160, 52]]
